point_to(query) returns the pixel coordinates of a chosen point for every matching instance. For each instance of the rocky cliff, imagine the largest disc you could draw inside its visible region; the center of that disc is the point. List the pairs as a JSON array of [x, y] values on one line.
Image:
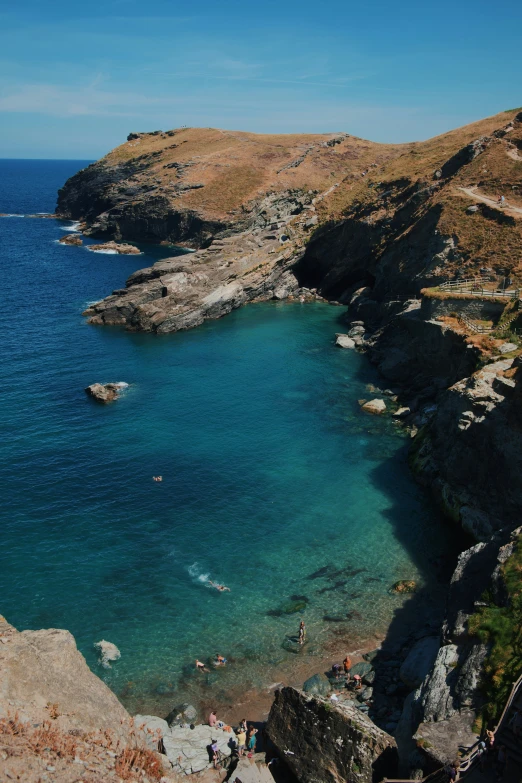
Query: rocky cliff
[[323, 742], [394, 217], [57, 717]]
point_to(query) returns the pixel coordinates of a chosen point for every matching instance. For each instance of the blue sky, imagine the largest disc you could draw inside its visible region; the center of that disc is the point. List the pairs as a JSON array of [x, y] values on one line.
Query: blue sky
[[77, 77]]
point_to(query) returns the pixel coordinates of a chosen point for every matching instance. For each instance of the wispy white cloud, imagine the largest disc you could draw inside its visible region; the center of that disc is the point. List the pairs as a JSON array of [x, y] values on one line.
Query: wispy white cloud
[[65, 101]]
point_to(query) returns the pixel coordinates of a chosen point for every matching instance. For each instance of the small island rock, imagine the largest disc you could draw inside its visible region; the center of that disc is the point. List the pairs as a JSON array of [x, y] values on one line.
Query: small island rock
[[401, 413], [344, 341], [105, 392], [114, 247], [374, 406], [108, 652], [71, 239]]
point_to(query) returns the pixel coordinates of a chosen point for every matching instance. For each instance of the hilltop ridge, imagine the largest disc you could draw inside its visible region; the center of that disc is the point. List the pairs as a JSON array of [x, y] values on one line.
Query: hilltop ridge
[[278, 216]]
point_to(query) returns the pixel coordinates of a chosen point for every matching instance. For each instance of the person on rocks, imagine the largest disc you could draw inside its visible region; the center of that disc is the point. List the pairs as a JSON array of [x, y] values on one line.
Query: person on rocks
[[490, 741], [241, 740], [357, 681], [243, 725], [252, 740], [336, 670], [212, 719], [482, 753], [215, 753], [452, 771], [347, 665], [302, 632]]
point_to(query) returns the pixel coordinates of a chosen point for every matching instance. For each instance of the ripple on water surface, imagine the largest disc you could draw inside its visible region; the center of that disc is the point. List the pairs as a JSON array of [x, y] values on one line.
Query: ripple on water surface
[[274, 483]]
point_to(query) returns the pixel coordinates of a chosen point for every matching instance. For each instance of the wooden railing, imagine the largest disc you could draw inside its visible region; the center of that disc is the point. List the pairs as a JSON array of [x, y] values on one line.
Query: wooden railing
[[472, 752], [474, 326], [475, 287], [453, 283]]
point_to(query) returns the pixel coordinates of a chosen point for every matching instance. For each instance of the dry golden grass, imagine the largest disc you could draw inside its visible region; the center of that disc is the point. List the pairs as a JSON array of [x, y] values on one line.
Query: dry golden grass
[[30, 750], [236, 166]]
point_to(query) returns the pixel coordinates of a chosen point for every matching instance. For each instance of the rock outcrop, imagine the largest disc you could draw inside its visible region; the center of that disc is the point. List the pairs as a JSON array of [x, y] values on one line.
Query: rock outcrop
[[71, 239], [344, 341], [374, 406], [42, 668], [181, 292], [105, 392], [470, 453], [115, 248], [324, 742], [447, 702]]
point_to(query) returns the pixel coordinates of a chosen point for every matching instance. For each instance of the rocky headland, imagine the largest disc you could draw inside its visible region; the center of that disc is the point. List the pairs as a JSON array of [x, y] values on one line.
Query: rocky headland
[[378, 229]]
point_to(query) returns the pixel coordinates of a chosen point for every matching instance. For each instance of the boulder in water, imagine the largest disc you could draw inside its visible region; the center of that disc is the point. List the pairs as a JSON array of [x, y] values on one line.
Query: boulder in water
[[404, 586], [105, 392], [344, 341], [71, 239], [108, 652], [374, 406]]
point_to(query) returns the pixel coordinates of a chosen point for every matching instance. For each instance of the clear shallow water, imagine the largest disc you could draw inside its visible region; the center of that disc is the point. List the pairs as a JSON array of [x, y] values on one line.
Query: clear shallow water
[[270, 473]]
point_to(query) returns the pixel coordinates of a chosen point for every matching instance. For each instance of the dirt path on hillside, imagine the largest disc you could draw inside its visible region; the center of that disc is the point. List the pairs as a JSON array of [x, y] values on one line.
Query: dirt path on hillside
[[512, 153], [491, 201]]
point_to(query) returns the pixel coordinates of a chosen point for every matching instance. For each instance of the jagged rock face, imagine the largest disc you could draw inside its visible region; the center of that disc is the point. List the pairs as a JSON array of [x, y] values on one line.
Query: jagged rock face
[[446, 703], [471, 452], [182, 292], [42, 668], [418, 354], [326, 743]]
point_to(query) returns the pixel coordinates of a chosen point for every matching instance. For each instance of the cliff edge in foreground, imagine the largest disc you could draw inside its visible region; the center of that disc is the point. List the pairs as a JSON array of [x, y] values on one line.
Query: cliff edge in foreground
[[57, 717]]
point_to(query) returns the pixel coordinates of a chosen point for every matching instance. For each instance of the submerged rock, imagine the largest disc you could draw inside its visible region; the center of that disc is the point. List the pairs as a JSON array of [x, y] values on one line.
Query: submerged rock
[[71, 239], [404, 586], [108, 652], [105, 392], [374, 406]]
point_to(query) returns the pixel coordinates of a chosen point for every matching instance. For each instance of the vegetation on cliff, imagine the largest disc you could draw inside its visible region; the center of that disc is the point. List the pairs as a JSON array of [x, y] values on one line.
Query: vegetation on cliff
[[499, 624]]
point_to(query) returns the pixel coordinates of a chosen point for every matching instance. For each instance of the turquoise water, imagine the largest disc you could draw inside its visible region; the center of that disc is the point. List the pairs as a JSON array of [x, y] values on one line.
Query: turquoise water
[[270, 474]]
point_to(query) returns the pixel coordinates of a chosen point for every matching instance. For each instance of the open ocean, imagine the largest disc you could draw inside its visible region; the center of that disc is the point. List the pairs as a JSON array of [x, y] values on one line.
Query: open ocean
[[271, 474]]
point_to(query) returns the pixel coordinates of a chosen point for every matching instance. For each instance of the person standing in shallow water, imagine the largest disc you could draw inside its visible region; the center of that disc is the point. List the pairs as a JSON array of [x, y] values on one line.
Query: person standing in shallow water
[[302, 632]]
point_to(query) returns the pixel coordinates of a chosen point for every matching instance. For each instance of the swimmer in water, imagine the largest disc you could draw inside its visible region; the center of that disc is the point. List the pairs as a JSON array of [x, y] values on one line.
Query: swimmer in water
[[220, 661], [221, 588], [201, 666]]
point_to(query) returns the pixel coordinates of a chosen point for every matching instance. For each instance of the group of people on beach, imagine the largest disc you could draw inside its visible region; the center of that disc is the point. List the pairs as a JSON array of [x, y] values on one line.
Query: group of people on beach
[[245, 738]]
